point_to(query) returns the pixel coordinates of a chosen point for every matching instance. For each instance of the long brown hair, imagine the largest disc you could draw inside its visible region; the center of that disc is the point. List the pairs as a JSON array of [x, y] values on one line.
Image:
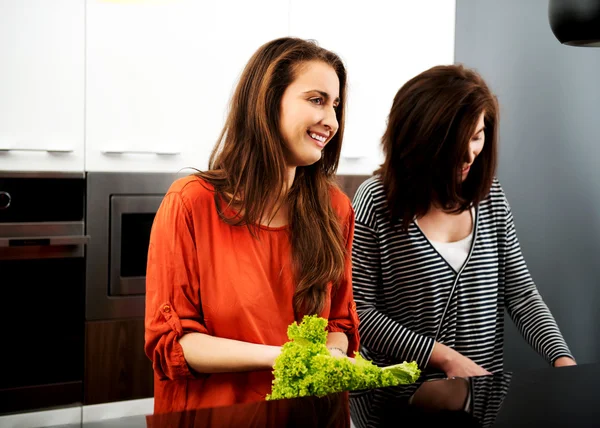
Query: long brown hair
[[247, 168], [430, 125]]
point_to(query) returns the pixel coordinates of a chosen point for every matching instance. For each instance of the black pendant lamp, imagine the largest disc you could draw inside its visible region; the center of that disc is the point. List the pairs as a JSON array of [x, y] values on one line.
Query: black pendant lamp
[[575, 22]]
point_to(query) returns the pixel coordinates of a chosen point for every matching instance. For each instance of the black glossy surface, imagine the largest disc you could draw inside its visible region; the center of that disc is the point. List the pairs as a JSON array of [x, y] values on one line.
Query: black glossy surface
[[41, 199], [565, 397]]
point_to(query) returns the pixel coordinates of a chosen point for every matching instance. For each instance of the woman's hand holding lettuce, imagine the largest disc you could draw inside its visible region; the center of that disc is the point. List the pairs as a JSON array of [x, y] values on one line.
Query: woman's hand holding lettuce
[[305, 366]]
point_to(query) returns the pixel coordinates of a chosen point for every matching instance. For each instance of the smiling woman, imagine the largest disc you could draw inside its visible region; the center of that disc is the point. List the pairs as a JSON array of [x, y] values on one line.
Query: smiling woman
[[260, 239]]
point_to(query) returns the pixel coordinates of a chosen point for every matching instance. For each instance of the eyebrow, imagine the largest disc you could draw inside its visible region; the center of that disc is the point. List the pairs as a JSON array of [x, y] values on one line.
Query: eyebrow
[[479, 130], [323, 94]]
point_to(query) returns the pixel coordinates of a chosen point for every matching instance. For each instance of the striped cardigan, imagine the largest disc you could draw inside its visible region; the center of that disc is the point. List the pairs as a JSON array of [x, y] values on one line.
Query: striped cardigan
[[407, 295]]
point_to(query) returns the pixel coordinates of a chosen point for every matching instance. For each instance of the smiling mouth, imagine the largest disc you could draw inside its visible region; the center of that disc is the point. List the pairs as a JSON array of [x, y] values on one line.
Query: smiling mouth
[[319, 139]]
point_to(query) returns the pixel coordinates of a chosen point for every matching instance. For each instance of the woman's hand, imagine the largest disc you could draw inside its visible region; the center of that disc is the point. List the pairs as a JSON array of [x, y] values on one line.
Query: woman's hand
[[338, 353], [461, 366], [453, 363], [564, 362]]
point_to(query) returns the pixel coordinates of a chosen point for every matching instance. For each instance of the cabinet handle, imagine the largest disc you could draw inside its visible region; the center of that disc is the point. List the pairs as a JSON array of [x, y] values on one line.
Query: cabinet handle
[[44, 241], [140, 152], [27, 149]]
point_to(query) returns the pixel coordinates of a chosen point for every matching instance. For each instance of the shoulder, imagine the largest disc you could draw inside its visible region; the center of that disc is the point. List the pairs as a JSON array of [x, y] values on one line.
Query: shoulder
[[497, 196], [187, 195], [370, 188], [370, 200], [495, 206], [191, 190]]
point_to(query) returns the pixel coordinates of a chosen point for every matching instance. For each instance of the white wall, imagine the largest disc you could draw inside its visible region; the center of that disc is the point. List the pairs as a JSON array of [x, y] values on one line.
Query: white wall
[[383, 44]]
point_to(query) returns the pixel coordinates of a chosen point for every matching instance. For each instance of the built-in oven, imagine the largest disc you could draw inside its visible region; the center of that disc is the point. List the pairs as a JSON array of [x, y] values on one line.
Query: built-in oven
[[42, 277], [120, 212]]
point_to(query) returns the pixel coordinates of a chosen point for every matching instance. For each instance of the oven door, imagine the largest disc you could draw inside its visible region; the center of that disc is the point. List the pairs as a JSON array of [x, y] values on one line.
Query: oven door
[[131, 222], [42, 270]]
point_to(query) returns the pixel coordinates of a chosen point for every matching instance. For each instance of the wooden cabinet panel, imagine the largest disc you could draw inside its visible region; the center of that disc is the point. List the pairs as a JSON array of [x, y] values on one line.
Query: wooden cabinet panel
[[116, 367]]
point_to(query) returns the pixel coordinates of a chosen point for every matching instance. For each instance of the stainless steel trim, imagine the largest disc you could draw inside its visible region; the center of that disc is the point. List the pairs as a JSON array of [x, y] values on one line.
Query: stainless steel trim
[[52, 241], [41, 174], [65, 239], [123, 204], [140, 152], [100, 187], [58, 228], [26, 149]]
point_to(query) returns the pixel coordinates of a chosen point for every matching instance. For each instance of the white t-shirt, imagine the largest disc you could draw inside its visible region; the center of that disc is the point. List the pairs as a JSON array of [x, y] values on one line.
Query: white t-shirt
[[455, 253]]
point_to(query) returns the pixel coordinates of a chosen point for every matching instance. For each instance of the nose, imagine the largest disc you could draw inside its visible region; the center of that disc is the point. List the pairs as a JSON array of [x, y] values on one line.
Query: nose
[[472, 156], [330, 120]]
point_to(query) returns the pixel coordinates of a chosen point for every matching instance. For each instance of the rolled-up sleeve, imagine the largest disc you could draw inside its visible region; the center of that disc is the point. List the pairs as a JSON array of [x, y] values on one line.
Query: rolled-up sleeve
[[343, 316], [173, 305]]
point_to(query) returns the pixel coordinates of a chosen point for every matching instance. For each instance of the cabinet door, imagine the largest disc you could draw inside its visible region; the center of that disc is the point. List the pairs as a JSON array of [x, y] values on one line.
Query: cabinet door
[[116, 367], [160, 75], [41, 85], [383, 45]]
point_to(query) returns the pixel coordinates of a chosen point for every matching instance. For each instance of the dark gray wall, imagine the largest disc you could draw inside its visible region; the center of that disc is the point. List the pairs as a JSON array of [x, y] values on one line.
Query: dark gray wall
[[549, 157]]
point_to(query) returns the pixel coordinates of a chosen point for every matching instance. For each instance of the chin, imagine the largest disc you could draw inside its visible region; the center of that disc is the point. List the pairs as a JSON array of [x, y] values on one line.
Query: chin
[[309, 159]]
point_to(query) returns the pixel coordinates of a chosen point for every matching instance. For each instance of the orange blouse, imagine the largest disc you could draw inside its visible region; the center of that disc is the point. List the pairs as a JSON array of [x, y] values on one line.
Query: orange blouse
[[207, 276]]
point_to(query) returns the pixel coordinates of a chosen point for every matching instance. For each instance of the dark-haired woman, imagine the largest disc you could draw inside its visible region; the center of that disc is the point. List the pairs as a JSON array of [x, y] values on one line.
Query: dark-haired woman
[[239, 252], [436, 259]]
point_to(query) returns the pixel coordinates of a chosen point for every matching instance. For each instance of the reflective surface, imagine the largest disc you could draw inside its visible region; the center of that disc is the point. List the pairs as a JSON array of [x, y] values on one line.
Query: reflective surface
[[550, 397]]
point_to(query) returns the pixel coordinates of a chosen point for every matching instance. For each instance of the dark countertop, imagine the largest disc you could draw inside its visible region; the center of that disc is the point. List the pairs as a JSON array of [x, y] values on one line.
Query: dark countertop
[[550, 397]]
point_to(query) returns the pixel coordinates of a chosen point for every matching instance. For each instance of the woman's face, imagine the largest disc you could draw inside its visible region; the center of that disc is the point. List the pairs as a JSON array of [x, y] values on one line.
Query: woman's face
[[475, 146], [307, 117]]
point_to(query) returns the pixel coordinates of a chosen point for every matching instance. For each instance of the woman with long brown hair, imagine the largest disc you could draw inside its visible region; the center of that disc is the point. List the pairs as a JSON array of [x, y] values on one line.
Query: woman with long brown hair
[[436, 259], [263, 237]]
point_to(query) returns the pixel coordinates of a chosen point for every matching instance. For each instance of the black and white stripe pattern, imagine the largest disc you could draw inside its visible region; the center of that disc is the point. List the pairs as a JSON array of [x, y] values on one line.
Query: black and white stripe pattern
[[405, 291], [387, 406]]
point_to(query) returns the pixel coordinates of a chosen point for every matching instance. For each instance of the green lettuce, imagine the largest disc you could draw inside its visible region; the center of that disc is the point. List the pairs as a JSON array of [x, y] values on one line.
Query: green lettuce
[[306, 368]]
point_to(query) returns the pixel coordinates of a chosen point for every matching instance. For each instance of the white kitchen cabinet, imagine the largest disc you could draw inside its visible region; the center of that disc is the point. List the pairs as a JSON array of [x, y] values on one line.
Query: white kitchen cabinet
[[383, 45], [160, 74], [42, 85]]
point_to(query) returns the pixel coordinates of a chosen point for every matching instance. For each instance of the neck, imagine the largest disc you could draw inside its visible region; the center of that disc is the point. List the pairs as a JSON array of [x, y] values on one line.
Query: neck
[[291, 175], [278, 210]]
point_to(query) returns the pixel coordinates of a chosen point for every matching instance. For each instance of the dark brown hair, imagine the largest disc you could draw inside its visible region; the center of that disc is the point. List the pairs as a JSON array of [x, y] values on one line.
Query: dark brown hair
[[247, 168], [431, 122]]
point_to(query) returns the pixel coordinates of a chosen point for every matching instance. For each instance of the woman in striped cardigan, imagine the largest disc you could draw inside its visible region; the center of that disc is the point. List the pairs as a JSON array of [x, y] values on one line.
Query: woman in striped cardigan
[[436, 259]]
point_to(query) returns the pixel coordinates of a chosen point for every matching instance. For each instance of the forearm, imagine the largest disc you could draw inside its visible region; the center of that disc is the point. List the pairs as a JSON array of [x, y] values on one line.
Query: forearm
[[337, 340], [441, 356], [454, 363], [381, 334], [209, 354], [537, 325]]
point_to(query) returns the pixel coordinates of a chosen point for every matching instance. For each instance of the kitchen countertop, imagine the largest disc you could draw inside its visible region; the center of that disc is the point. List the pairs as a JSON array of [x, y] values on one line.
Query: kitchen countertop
[[550, 397]]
